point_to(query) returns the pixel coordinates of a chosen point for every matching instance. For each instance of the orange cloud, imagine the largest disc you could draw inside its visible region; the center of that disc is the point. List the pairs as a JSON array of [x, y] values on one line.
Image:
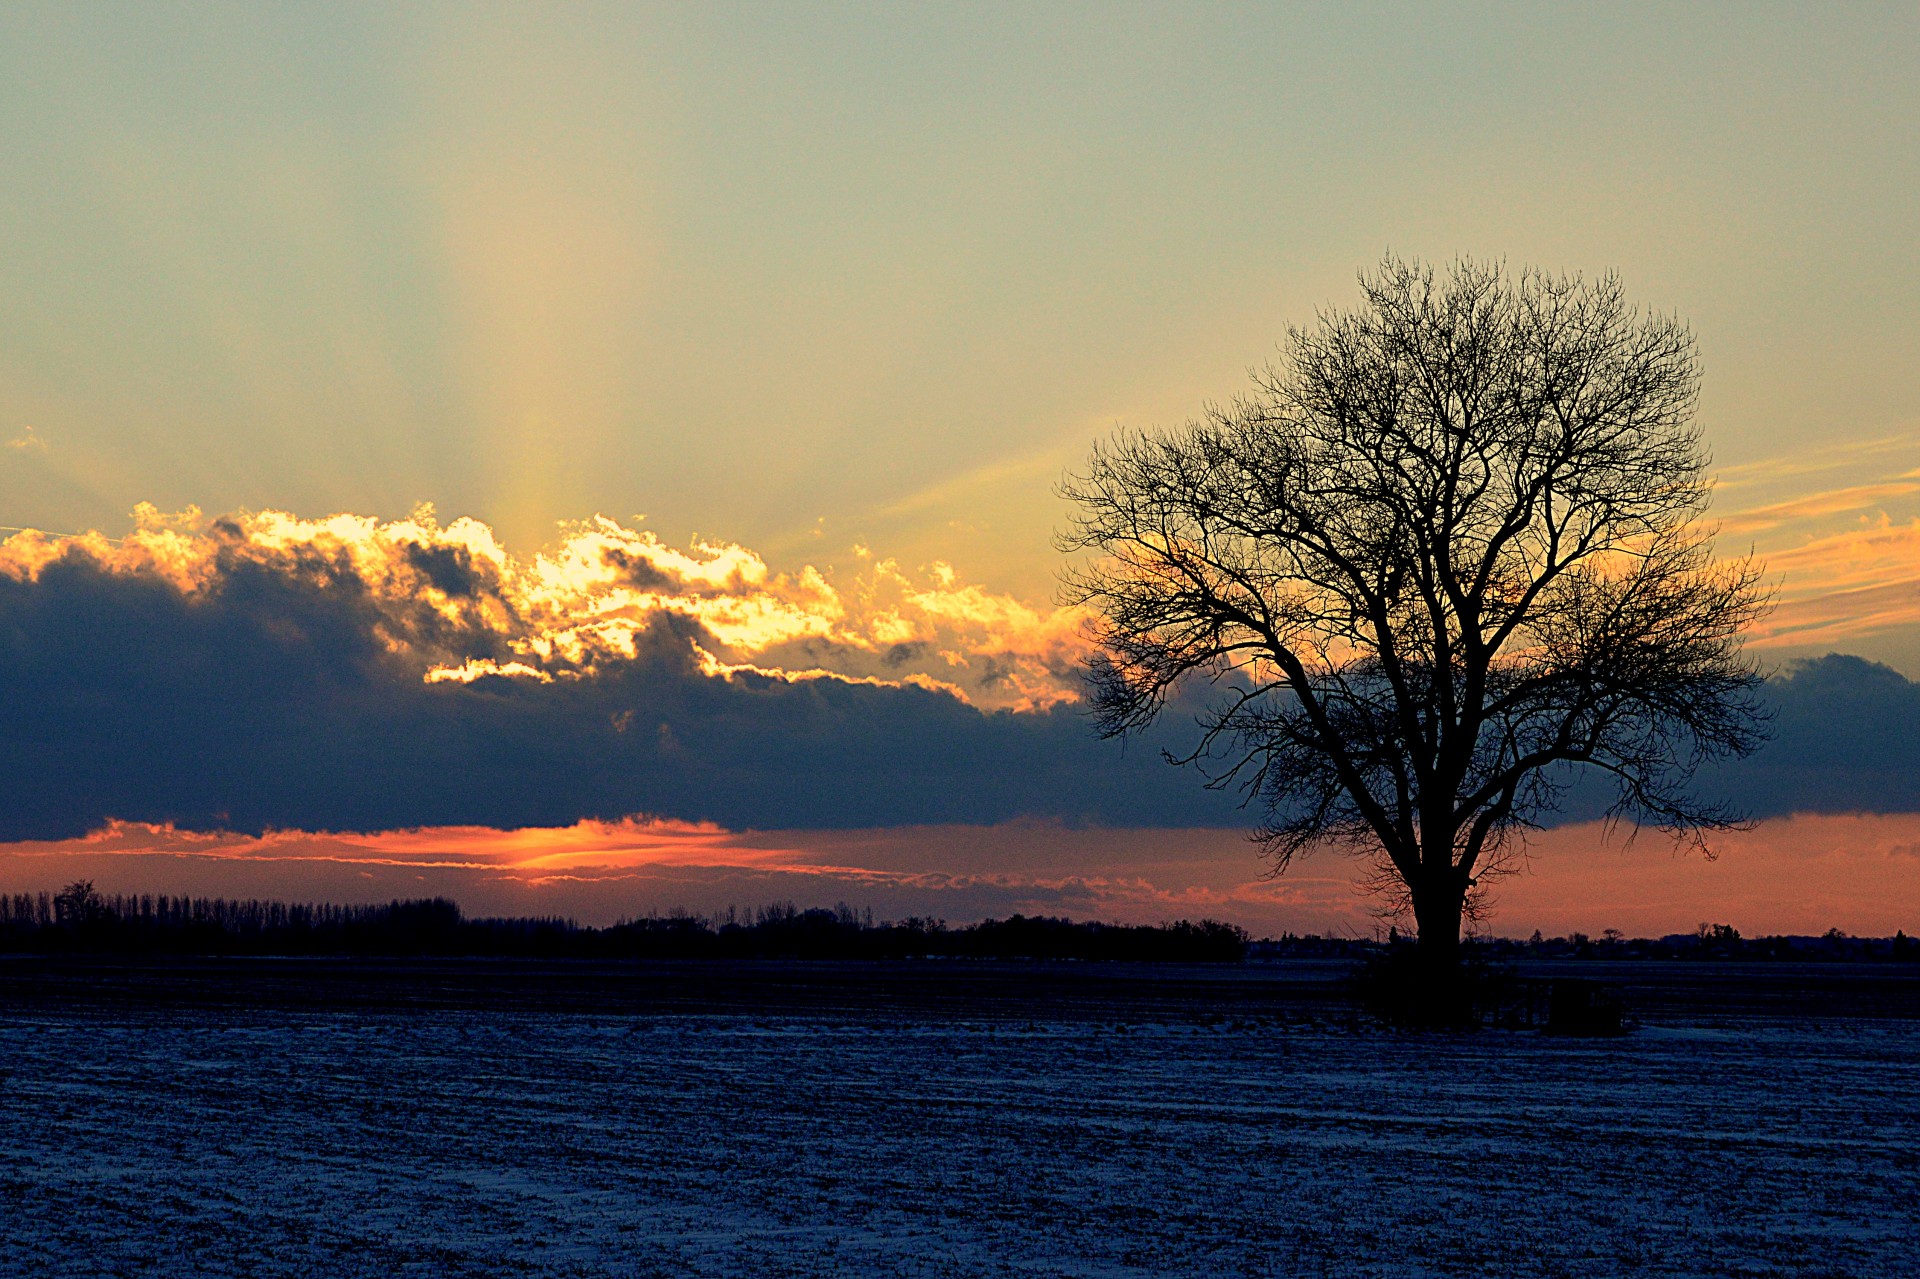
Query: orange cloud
[[1854, 582], [527, 852], [454, 600], [1845, 557]]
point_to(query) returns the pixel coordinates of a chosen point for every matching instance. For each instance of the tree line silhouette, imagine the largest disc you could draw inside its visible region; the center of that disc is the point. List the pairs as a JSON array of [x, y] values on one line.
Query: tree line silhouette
[[1707, 942], [80, 919], [1710, 941]]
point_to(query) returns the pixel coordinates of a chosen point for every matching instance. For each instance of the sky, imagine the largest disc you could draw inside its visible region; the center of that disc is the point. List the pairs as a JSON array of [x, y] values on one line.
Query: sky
[[733, 353]]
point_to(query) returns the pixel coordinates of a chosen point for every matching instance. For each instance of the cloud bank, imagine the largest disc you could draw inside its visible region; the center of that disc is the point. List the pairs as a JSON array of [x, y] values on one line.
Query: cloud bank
[[259, 672], [453, 601], [256, 672]]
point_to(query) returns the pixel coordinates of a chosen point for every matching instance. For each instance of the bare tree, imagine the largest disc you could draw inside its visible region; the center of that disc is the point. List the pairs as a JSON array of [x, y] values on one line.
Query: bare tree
[[1446, 556]]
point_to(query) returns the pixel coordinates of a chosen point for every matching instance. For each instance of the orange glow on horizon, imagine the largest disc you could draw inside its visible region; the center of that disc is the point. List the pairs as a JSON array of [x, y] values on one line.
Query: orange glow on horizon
[[1803, 874]]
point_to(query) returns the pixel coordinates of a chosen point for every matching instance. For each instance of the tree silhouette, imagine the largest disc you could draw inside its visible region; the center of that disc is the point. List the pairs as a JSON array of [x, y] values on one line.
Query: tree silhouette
[[80, 905], [1446, 556]]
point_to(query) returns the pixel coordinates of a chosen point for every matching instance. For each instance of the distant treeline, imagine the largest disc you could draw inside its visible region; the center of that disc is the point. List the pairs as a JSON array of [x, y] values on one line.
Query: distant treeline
[[1714, 941], [80, 919], [1708, 941]]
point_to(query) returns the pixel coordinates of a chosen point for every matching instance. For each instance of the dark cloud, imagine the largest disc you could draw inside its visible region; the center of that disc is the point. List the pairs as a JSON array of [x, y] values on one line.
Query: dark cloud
[[1846, 738], [899, 655], [275, 699], [275, 696], [635, 570], [449, 569]]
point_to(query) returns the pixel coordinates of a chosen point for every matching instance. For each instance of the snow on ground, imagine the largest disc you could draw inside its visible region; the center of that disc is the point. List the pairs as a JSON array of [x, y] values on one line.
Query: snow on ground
[[255, 1140]]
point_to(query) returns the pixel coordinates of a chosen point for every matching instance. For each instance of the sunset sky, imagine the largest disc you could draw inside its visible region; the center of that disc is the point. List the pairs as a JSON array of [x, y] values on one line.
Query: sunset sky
[[592, 460]]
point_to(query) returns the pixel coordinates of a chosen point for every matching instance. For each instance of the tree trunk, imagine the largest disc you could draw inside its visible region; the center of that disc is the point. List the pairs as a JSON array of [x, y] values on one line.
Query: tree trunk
[[1441, 995]]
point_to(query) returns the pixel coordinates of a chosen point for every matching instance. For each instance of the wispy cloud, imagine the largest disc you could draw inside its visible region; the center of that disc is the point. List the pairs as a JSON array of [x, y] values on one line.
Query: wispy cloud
[[1834, 586], [1871, 455], [1030, 469], [1816, 506], [28, 441], [1845, 559]]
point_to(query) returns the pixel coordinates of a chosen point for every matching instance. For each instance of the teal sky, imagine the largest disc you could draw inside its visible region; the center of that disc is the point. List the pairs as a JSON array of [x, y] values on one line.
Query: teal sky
[[807, 276]]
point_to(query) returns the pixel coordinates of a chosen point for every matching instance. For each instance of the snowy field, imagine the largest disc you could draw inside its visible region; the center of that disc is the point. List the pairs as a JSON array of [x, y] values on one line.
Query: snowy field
[[998, 1121]]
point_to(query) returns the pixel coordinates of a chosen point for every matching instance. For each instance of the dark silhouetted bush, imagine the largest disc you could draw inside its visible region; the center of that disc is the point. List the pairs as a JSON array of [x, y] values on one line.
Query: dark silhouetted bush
[[1583, 1008]]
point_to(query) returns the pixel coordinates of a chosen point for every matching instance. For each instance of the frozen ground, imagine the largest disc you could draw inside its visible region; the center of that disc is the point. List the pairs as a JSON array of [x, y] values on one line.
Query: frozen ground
[[1001, 1121]]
